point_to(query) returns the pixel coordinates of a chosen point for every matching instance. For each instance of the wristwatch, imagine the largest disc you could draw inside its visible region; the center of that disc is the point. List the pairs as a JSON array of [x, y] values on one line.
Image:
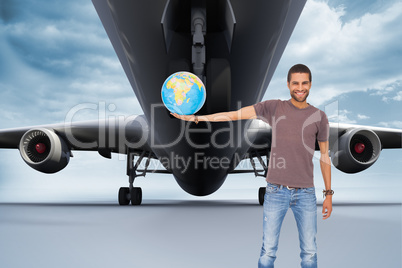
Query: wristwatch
[[327, 192]]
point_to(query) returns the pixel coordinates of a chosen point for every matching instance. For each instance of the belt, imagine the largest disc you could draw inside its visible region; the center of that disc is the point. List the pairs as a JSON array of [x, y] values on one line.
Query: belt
[[289, 188]]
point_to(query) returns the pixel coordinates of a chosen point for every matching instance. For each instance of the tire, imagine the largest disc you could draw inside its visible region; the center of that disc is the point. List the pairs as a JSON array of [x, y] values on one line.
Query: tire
[[136, 196], [123, 194], [261, 194]]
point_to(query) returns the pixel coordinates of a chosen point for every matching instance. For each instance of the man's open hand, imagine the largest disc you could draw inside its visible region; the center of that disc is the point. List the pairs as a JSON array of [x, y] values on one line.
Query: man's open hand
[[184, 117], [327, 207]]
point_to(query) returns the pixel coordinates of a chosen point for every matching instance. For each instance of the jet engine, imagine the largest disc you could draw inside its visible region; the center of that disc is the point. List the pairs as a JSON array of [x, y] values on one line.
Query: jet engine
[[43, 150], [356, 150]]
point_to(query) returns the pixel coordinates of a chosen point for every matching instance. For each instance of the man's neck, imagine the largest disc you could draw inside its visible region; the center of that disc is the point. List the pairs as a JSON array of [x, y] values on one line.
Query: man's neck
[[299, 105]]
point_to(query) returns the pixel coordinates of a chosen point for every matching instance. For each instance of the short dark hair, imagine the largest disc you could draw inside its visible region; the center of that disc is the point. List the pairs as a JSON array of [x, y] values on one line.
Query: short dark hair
[[299, 68]]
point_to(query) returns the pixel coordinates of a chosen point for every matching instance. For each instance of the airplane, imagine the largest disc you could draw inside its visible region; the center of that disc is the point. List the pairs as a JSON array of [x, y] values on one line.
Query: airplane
[[234, 47]]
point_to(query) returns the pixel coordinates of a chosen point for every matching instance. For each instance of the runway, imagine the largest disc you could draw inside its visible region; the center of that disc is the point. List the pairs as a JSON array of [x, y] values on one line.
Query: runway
[[181, 233]]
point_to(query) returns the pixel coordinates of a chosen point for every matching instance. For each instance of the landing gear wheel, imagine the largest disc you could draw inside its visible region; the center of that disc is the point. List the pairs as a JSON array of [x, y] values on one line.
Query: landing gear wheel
[[136, 196], [123, 196], [261, 194]]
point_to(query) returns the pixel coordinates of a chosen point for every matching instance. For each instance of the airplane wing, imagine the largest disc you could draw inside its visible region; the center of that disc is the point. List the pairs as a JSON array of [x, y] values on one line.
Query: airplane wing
[[47, 148], [353, 148]]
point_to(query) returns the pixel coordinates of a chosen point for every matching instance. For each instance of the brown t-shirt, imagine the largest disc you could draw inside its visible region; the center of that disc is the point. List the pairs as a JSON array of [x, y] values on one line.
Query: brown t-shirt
[[294, 133]]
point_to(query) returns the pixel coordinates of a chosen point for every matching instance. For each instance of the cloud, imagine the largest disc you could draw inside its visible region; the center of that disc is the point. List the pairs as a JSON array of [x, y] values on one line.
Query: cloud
[[363, 117], [345, 56], [55, 58], [392, 124], [387, 88], [398, 96], [341, 116]]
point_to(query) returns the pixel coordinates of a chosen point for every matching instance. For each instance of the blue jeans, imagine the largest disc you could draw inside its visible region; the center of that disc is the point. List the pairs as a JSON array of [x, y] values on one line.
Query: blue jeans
[[277, 200]]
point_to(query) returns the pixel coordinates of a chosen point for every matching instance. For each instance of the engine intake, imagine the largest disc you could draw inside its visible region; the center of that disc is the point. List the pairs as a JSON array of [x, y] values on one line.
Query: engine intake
[[43, 150], [356, 150]]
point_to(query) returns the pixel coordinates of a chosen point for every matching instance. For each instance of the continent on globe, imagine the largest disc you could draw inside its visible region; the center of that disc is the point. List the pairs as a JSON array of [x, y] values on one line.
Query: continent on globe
[[183, 93]]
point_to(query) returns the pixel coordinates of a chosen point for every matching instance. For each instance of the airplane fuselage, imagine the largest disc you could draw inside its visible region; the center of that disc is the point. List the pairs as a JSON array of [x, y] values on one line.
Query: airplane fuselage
[[243, 42]]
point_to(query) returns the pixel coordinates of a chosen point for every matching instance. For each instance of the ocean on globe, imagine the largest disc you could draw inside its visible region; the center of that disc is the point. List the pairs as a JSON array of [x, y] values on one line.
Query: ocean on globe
[[183, 93]]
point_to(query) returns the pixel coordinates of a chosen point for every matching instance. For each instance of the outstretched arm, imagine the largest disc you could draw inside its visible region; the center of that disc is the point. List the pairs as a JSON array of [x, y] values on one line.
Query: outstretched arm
[[244, 113]]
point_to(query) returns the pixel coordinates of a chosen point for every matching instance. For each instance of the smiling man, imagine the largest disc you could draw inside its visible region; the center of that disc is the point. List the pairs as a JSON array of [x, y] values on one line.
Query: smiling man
[[296, 126]]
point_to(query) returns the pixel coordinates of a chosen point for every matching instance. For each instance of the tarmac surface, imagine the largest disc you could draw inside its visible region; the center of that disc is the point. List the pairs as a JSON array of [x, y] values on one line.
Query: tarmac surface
[[181, 233]]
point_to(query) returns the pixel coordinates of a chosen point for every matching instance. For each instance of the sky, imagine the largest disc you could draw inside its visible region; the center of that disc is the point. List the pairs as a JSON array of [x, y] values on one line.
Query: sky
[[56, 55]]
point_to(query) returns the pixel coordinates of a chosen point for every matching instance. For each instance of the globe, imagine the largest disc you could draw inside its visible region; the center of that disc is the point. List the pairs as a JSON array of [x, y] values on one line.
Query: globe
[[183, 93]]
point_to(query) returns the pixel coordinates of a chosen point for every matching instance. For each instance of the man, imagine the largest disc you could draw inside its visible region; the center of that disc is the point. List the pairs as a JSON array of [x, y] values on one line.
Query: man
[[296, 126]]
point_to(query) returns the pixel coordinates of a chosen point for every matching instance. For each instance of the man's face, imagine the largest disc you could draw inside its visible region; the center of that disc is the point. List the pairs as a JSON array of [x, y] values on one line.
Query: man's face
[[299, 86]]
